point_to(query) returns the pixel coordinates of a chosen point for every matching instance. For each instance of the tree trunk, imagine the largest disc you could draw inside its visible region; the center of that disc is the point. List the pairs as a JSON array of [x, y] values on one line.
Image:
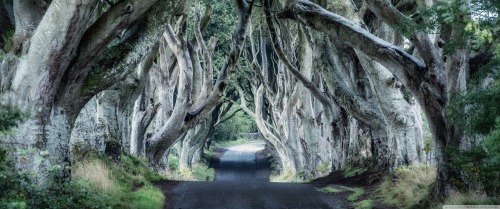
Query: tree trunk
[[46, 147], [86, 132]]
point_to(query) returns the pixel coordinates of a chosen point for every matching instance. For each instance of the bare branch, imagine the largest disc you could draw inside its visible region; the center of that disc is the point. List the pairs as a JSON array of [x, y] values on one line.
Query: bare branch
[[384, 10], [408, 69], [322, 97], [224, 74], [107, 27]]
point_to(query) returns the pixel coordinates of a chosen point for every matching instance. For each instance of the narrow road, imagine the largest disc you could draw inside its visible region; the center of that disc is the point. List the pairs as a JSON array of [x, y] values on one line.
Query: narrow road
[[239, 163], [242, 184]]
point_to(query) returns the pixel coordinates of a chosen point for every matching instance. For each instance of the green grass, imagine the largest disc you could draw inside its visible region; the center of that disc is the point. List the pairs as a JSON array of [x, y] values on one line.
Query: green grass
[[356, 193], [407, 185], [126, 185], [329, 189], [202, 172], [198, 172], [354, 172], [148, 197], [365, 204]]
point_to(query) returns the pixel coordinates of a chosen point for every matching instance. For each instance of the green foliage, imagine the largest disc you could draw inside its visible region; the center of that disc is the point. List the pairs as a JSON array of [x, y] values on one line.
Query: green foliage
[[478, 113], [480, 106], [329, 189], [232, 128], [134, 168], [222, 24], [478, 167], [10, 117], [11, 183], [427, 146], [477, 23], [16, 191], [173, 162], [8, 40], [131, 185], [199, 171]]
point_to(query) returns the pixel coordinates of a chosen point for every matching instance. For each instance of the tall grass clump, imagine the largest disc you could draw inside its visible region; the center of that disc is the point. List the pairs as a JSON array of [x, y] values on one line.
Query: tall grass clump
[[96, 172], [407, 185]]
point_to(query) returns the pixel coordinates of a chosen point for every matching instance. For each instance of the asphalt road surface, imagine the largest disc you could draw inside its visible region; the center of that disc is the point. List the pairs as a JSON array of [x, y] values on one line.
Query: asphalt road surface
[[240, 184], [239, 163]]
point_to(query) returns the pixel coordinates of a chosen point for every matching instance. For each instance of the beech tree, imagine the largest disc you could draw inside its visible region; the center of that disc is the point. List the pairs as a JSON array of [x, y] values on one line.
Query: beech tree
[[319, 108], [64, 53], [431, 77]]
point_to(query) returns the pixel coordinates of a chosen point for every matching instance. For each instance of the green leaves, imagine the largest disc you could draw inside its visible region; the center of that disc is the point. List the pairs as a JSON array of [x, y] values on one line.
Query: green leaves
[[230, 129], [478, 110], [10, 117]]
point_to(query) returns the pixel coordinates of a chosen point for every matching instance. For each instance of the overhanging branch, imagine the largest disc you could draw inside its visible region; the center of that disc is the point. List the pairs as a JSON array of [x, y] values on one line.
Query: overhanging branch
[[408, 69]]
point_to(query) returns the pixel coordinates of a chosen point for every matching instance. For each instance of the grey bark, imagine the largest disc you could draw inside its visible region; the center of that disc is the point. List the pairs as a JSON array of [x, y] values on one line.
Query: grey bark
[[426, 82], [187, 111], [41, 81]]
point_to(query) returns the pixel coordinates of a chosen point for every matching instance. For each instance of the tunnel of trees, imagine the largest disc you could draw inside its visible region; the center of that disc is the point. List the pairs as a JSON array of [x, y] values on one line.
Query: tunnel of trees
[[329, 84]]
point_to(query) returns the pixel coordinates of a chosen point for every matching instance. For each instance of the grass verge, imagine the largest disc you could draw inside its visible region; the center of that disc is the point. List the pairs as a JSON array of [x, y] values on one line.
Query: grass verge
[[125, 185], [365, 204], [202, 172], [148, 197], [328, 190], [407, 185]]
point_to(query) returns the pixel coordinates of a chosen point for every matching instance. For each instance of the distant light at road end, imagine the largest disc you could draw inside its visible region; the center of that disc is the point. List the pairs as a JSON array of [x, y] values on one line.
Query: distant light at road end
[[247, 147]]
